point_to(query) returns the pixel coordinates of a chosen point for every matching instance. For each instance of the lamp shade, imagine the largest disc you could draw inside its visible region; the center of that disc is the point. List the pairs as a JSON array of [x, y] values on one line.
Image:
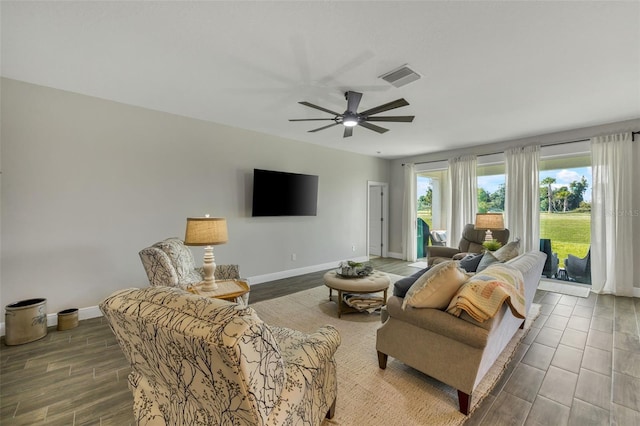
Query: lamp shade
[[206, 231], [493, 221]]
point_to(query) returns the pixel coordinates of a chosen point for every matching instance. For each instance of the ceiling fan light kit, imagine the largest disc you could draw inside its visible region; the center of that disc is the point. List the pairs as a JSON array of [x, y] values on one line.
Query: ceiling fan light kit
[[351, 118], [350, 121]]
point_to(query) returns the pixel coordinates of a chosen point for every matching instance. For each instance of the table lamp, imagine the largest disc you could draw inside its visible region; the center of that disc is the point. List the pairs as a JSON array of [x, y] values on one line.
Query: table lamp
[[489, 221], [207, 231]]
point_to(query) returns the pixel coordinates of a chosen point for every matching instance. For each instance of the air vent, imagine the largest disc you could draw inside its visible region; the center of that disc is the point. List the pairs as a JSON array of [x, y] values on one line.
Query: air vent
[[400, 76]]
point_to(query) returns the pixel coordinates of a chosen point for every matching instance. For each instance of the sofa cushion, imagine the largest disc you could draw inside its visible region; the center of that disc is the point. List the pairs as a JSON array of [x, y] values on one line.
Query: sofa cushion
[[487, 259], [442, 323], [471, 261], [401, 287], [436, 287], [509, 251]]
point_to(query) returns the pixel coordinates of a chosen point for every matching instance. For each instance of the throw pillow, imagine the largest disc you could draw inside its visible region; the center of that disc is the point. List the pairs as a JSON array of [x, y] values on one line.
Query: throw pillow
[[401, 287], [436, 287], [471, 261], [487, 259], [508, 251]]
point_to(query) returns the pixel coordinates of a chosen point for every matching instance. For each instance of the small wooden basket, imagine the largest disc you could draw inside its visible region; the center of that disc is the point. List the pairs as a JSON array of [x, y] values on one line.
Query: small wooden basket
[[67, 319]]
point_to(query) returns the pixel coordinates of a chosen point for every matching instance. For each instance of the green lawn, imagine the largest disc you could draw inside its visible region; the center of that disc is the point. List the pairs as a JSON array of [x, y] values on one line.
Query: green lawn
[[569, 232]]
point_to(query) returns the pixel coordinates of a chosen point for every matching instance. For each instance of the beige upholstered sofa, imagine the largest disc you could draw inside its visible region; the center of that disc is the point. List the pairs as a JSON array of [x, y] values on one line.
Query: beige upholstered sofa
[[457, 351], [197, 360], [170, 263], [470, 242]]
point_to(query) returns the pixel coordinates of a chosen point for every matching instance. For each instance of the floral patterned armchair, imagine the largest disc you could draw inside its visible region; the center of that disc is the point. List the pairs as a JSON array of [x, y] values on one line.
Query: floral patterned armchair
[[170, 263], [203, 361]]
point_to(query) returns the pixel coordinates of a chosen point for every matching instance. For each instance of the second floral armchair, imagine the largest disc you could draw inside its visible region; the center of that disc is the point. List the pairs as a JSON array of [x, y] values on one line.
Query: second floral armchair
[[170, 263]]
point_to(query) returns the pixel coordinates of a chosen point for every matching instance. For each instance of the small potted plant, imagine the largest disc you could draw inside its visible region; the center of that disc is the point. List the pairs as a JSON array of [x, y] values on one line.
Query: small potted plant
[[492, 245]]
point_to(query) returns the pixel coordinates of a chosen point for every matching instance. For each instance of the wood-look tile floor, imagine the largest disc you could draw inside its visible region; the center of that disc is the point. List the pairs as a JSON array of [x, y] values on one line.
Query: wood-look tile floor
[[579, 365]]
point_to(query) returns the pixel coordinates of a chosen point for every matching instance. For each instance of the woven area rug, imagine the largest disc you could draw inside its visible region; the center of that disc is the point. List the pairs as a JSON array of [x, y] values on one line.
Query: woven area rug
[[368, 395]]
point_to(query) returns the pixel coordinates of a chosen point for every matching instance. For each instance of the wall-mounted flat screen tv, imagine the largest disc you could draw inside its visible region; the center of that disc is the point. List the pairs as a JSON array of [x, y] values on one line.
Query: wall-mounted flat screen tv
[[284, 194]]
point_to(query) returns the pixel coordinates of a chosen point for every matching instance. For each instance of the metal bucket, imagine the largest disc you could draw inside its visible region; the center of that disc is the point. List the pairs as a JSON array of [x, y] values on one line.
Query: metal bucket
[[25, 321]]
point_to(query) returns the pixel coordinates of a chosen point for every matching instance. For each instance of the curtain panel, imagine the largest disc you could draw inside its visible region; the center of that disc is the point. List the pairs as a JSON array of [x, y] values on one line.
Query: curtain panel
[[522, 196], [463, 202], [612, 215], [409, 214]]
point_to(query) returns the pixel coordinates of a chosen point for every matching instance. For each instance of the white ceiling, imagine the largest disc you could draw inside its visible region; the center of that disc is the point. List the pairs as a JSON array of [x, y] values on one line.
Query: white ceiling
[[492, 71]]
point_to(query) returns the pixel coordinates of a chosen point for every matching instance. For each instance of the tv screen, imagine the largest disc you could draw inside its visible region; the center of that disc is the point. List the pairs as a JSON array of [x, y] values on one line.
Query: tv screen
[[284, 194]]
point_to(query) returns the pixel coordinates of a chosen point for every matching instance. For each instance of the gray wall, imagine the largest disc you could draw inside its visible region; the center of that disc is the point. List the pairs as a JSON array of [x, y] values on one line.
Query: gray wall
[[397, 174], [87, 183]]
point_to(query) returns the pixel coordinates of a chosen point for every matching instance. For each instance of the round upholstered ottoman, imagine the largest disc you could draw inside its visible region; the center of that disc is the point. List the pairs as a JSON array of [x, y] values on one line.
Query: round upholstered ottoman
[[375, 282]]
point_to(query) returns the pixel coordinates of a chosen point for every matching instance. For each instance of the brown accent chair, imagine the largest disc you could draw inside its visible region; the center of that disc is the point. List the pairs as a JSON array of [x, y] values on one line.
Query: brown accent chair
[[471, 242]]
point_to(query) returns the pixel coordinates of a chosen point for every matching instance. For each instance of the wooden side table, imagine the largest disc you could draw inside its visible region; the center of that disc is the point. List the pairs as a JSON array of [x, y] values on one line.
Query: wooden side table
[[227, 290]]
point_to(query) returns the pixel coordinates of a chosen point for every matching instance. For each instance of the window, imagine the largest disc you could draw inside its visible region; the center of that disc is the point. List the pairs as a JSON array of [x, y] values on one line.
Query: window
[[565, 208], [491, 188], [565, 201]]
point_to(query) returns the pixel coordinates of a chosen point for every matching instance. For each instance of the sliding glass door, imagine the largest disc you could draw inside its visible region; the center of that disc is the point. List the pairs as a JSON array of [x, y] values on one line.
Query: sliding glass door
[[565, 216], [431, 209]]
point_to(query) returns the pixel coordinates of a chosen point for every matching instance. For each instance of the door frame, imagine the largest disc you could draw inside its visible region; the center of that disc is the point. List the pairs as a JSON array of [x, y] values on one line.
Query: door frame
[[385, 215]]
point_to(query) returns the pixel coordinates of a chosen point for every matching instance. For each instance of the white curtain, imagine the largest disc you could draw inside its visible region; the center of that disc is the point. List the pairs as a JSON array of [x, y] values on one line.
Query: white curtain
[[611, 215], [463, 202], [522, 196], [409, 214]]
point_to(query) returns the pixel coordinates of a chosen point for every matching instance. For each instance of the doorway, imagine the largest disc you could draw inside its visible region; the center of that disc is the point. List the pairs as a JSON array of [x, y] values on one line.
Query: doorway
[[377, 219]]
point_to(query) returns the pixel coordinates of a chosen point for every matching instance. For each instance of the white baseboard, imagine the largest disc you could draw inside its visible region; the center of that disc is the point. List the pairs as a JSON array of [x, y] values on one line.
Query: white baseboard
[[52, 319], [94, 311], [394, 255], [259, 279]]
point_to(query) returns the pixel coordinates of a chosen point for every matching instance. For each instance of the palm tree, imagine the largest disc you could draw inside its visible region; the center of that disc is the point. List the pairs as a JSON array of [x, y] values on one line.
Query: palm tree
[[548, 181], [563, 194]]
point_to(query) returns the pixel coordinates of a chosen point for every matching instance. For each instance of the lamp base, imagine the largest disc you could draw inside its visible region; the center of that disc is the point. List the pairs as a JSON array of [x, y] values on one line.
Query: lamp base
[[209, 268], [488, 236], [208, 286]]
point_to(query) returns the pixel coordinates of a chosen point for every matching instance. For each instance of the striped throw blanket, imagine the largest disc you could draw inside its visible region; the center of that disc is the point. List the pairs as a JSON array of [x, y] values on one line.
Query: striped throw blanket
[[484, 293]]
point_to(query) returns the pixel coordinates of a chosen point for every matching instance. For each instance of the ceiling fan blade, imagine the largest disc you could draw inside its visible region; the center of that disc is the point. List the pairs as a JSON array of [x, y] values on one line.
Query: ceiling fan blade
[[318, 107], [324, 127], [348, 131], [373, 127], [353, 101], [311, 119], [398, 118], [386, 107]]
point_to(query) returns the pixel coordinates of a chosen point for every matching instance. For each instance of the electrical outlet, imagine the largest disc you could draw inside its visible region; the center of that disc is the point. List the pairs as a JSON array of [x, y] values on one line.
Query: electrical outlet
[[353, 247], [293, 256]]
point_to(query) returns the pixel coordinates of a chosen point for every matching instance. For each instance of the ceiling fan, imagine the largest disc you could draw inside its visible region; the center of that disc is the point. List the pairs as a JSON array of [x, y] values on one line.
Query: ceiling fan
[[351, 117]]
